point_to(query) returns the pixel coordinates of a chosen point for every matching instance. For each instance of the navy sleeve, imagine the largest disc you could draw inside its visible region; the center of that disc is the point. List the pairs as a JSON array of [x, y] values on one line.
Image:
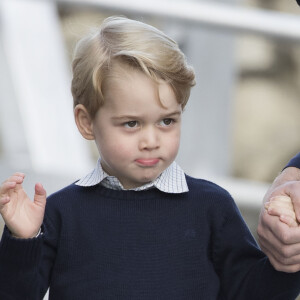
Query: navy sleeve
[[294, 162], [25, 264], [245, 271]]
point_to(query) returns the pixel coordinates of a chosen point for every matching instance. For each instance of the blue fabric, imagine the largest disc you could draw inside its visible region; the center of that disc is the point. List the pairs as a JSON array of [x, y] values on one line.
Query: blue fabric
[[294, 162], [99, 243]]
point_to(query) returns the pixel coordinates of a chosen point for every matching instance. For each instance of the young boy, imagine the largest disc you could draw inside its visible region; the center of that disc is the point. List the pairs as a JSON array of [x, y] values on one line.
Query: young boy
[[136, 227]]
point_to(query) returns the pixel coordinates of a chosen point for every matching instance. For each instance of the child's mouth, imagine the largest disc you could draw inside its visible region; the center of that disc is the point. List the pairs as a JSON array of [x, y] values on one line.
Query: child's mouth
[[149, 162]]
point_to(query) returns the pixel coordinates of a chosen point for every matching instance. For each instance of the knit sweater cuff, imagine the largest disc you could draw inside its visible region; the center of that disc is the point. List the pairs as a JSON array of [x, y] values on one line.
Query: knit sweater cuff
[[20, 250]]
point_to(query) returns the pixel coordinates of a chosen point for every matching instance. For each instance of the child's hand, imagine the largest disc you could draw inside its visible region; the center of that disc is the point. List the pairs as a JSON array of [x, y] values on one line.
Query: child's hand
[[282, 207], [22, 216]]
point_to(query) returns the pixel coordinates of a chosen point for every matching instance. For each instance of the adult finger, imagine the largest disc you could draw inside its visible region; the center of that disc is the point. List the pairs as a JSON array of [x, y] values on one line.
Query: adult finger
[[270, 227], [284, 254], [290, 221], [283, 267]]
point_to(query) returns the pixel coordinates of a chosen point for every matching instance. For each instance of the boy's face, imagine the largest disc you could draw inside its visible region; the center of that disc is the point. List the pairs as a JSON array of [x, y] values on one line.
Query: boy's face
[[137, 137]]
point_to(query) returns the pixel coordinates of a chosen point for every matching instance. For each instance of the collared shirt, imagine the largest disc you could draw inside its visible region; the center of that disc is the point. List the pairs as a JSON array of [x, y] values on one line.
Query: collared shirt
[[171, 180]]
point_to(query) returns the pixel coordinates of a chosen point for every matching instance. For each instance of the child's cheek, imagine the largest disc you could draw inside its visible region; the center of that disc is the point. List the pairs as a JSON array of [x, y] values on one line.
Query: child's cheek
[[122, 148], [173, 144]]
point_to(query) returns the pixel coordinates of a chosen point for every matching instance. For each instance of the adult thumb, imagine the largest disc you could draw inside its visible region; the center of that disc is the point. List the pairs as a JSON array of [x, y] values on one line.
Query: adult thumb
[[40, 195]]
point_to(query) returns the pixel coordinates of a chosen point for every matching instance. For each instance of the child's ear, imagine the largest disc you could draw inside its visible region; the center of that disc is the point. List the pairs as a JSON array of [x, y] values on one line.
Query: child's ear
[[83, 122]]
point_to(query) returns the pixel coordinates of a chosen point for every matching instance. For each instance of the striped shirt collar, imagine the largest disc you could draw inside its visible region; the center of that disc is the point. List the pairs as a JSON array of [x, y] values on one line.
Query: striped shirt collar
[[171, 180]]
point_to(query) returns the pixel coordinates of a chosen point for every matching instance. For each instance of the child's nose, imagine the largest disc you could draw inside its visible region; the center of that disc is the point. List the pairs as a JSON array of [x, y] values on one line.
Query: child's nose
[[149, 139]]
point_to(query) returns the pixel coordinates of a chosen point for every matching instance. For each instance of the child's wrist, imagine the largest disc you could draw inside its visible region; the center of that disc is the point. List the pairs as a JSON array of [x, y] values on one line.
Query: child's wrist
[[37, 234]]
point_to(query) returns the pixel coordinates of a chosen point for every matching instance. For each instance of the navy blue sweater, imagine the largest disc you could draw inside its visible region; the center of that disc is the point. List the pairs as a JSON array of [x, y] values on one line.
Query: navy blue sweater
[[294, 162], [105, 244]]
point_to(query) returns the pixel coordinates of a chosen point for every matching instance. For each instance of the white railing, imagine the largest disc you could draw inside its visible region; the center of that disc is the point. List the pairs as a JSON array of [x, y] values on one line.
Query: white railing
[[218, 15]]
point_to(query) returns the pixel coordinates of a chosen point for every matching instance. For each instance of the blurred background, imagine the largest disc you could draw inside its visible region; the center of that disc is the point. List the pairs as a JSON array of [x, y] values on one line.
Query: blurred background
[[240, 127]]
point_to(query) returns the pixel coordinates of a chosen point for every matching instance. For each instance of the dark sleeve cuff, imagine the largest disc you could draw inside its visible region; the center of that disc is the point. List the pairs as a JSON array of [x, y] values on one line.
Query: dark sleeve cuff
[[19, 250], [294, 162]]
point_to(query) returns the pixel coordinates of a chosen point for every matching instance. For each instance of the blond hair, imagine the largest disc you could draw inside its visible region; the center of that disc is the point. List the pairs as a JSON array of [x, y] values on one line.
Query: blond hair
[[131, 42]]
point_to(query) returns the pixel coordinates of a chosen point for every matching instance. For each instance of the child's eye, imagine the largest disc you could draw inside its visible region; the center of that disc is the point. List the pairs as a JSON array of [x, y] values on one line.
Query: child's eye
[[131, 124], [166, 122]]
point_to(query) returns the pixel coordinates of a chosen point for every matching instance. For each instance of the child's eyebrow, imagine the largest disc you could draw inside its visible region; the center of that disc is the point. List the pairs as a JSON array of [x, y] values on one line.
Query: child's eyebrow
[[172, 114], [136, 117], [124, 117]]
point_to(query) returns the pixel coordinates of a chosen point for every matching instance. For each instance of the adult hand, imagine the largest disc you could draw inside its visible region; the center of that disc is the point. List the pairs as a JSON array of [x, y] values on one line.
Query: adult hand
[[22, 216], [280, 242]]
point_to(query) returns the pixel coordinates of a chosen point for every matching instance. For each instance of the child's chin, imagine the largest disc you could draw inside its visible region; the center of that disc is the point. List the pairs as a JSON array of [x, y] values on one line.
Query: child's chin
[[149, 178]]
